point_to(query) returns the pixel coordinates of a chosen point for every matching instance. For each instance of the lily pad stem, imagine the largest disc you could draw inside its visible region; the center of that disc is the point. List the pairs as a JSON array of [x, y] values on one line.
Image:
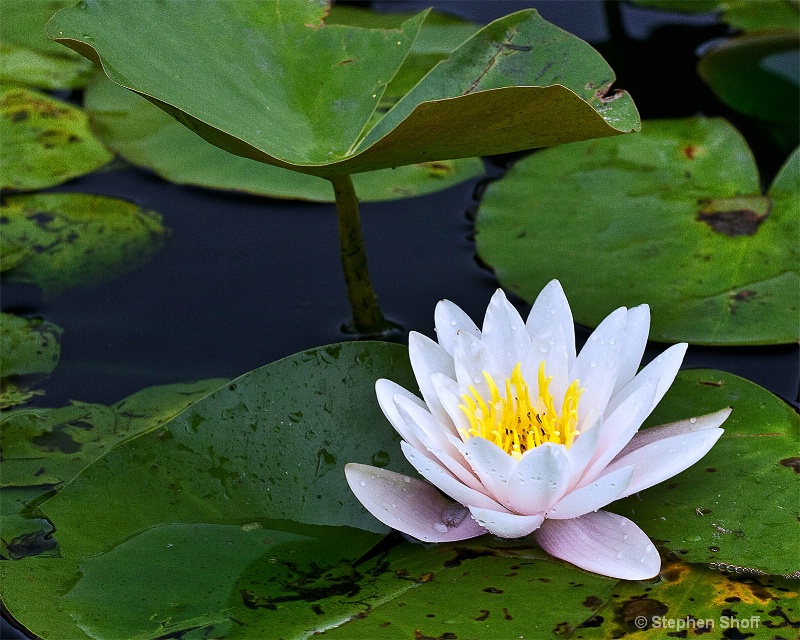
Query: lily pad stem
[[367, 317]]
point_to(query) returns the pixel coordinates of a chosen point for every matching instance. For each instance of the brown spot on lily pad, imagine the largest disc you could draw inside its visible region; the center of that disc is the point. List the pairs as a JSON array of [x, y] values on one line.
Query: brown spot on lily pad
[[792, 463], [735, 216]]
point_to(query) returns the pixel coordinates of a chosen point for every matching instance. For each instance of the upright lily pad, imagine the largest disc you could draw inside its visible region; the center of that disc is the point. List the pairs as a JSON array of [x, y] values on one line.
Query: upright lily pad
[[59, 240], [149, 137], [538, 84], [45, 141], [673, 217]]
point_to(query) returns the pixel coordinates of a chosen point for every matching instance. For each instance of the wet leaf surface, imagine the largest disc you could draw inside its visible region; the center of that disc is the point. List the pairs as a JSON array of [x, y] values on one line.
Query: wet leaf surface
[[543, 85], [28, 345], [45, 141], [673, 217], [737, 506], [149, 137], [60, 240]]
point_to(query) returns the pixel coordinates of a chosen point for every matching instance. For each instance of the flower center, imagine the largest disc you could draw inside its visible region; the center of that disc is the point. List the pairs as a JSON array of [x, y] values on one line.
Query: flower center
[[514, 422]]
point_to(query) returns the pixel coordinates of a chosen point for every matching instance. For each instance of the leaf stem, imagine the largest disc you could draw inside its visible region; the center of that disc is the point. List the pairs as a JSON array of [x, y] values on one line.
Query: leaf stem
[[367, 319]]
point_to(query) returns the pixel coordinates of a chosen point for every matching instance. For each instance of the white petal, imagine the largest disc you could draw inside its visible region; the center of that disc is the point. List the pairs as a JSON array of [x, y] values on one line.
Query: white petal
[[450, 319], [661, 371], [471, 359], [410, 505], [597, 366], [662, 459], [550, 309], [583, 450], [506, 525], [435, 431], [646, 436], [603, 543], [449, 396], [540, 478], [444, 481], [491, 464], [428, 358], [504, 334], [386, 391], [593, 496], [634, 344]]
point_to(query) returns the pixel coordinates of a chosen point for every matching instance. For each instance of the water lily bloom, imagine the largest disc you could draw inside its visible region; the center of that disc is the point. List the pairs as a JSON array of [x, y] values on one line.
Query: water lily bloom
[[526, 437]]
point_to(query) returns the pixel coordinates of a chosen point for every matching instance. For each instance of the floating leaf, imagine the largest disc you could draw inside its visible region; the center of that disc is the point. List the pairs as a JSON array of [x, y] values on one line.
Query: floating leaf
[[45, 141], [539, 85], [149, 137], [50, 446], [748, 15], [28, 346], [29, 57], [673, 217], [737, 506], [59, 240]]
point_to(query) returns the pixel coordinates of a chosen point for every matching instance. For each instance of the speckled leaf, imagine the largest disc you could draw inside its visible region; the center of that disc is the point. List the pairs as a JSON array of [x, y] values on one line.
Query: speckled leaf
[[738, 505], [29, 56], [50, 446], [541, 85], [45, 141], [149, 137], [28, 346], [673, 217], [60, 240], [749, 15], [691, 601]]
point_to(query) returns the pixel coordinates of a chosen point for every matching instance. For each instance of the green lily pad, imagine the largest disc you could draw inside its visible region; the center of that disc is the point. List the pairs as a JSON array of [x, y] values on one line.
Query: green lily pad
[[60, 240], [45, 141], [691, 601], [51, 446], [758, 74], [29, 56], [748, 15], [28, 346], [673, 217], [539, 85], [738, 505], [148, 137]]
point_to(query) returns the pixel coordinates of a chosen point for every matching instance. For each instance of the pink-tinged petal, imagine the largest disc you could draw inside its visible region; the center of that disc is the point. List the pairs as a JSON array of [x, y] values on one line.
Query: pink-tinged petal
[[410, 505], [592, 496], [450, 319], [618, 429], [491, 464], [387, 391], [661, 371], [449, 393], [603, 543], [504, 333], [662, 459], [458, 466], [540, 478], [506, 525], [597, 366], [646, 436], [471, 359], [445, 482], [435, 433], [551, 309], [636, 333], [428, 358]]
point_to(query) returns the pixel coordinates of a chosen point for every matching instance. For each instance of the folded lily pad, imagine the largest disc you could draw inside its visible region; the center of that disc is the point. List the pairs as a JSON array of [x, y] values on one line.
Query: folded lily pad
[[60, 240], [149, 137], [45, 141], [290, 91], [673, 217]]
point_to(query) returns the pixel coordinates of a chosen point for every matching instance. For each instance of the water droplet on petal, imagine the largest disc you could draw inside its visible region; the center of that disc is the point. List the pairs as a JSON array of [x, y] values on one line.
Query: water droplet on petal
[[693, 420], [453, 323], [406, 479], [620, 555], [625, 537], [362, 483], [441, 527], [553, 311], [612, 341], [593, 363]]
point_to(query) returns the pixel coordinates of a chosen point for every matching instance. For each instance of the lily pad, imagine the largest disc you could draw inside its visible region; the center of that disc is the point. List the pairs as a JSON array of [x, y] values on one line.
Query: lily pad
[[59, 240], [29, 56], [148, 137], [737, 506], [45, 141], [748, 15], [540, 85], [28, 346], [673, 217]]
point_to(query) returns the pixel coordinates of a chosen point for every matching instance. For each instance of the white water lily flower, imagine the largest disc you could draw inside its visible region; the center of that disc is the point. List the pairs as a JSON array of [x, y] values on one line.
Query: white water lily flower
[[526, 437]]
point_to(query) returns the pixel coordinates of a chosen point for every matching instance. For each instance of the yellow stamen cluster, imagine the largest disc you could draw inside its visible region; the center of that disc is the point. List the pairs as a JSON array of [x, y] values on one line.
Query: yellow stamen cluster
[[514, 422]]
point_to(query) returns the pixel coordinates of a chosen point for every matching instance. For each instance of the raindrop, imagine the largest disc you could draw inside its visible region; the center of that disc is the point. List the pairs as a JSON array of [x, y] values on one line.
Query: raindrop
[[406, 479], [622, 523], [643, 560], [620, 555], [380, 459], [441, 527], [693, 420], [453, 516], [625, 537], [612, 341], [553, 311], [453, 323], [593, 363], [362, 483], [394, 506], [544, 347]]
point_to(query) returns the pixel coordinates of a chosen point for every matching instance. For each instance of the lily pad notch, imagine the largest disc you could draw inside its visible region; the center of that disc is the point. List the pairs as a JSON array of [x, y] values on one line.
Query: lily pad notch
[[519, 83]]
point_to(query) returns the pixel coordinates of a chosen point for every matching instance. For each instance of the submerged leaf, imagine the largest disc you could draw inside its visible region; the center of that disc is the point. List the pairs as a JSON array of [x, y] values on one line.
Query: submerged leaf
[[60, 240], [538, 84], [45, 141], [667, 218]]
